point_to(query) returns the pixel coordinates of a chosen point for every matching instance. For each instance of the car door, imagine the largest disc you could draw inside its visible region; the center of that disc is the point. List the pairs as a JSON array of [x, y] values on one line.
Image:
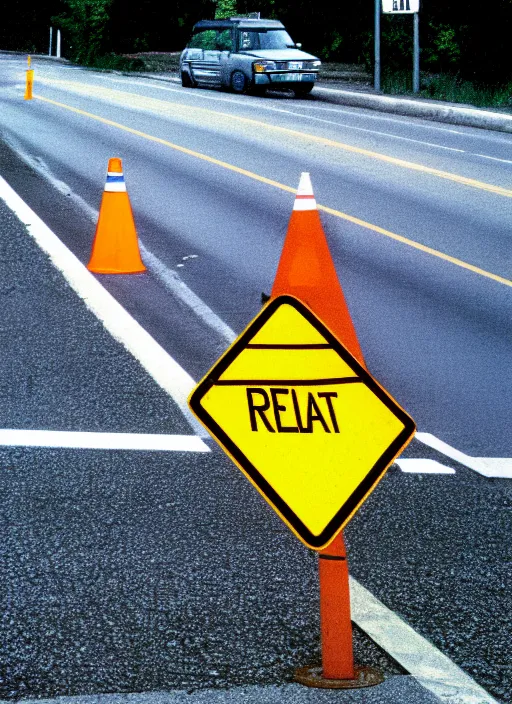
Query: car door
[[204, 58], [225, 47]]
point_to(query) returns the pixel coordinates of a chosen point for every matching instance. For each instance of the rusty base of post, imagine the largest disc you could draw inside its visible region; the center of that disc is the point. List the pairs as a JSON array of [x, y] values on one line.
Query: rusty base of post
[[364, 677]]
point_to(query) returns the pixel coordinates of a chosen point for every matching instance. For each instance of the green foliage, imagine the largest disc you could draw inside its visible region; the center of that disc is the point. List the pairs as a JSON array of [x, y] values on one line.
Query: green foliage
[[225, 8], [472, 45], [455, 90], [396, 43], [332, 48], [450, 88], [85, 24], [396, 82], [115, 62], [442, 52]]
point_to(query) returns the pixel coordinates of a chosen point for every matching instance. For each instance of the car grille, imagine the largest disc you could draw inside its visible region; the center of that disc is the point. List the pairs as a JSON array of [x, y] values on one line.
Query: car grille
[[283, 65]]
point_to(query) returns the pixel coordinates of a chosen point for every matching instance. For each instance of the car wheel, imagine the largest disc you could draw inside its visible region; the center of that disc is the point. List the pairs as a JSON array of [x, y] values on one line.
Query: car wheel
[[238, 82], [186, 80], [303, 90]]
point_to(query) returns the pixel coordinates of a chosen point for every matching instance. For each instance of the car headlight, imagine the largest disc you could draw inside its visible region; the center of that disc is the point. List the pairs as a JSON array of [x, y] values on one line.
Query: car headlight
[[262, 66], [315, 64]]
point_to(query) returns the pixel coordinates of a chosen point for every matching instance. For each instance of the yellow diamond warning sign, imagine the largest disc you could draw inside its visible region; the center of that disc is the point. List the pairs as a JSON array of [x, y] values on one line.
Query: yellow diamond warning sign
[[306, 423]]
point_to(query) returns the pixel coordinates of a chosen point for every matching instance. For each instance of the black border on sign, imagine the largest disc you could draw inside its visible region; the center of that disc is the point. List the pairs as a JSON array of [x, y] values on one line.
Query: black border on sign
[[373, 476]]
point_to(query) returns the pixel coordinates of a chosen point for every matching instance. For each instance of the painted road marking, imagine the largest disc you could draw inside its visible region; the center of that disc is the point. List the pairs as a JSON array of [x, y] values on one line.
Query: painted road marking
[[283, 187], [135, 100], [101, 441], [420, 466], [158, 363], [494, 158], [167, 277], [433, 670], [421, 659], [493, 467], [147, 84], [177, 287], [419, 123]]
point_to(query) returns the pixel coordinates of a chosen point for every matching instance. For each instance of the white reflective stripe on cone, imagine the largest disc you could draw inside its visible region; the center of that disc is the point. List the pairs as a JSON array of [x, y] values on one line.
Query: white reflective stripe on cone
[[116, 186], [304, 204]]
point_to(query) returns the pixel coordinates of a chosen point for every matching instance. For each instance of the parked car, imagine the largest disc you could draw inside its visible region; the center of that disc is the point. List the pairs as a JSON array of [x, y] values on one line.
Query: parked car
[[246, 55]]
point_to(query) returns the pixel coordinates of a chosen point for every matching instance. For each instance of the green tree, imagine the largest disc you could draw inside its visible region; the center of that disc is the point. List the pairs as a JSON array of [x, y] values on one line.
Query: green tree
[[225, 8], [85, 23]]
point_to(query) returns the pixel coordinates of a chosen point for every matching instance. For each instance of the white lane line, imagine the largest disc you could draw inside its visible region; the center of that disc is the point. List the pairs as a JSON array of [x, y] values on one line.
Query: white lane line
[[175, 285], [493, 467], [101, 441], [497, 467], [156, 361], [166, 276], [433, 670], [365, 129], [495, 158], [363, 606], [318, 119], [420, 466]]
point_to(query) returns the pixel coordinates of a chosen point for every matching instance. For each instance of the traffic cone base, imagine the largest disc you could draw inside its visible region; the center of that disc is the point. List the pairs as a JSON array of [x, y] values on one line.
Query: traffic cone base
[[115, 248]]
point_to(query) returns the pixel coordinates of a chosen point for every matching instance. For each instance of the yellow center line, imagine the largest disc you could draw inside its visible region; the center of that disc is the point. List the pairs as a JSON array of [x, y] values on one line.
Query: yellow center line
[[283, 187], [499, 190], [134, 98]]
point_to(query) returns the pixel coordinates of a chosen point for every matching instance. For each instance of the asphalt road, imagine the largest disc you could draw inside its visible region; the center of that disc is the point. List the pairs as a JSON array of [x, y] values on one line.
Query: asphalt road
[[435, 333]]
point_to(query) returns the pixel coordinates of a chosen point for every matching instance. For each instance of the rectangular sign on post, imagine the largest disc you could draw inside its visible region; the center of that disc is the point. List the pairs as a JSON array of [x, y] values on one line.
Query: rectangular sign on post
[[400, 7]]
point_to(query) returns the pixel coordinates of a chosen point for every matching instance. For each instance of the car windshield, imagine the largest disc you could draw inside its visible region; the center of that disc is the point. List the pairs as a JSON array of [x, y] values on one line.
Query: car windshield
[[266, 39]]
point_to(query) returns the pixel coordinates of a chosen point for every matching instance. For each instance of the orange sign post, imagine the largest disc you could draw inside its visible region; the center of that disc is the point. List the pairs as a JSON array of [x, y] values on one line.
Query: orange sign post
[[306, 270], [292, 404]]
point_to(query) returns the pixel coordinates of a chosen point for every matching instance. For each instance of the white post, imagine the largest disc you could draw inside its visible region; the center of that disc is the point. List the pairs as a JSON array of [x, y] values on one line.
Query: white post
[[376, 43], [51, 41], [58, 44], [416, 59]]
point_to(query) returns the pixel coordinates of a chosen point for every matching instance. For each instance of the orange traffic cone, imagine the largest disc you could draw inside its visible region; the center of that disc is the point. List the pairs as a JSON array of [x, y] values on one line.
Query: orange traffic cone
[[306, 271], [115, 249]]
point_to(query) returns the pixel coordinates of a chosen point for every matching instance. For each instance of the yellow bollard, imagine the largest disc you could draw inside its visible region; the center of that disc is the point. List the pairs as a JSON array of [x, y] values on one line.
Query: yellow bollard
[[29, 61], [29, 84]]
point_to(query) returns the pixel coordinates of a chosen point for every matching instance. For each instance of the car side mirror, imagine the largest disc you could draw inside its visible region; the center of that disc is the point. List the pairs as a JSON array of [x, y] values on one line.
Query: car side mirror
[[298, 45]]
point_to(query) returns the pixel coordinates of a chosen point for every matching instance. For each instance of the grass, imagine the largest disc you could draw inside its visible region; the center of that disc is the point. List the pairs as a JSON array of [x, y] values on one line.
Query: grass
[[156, 61], [115, 62], [449, 88]]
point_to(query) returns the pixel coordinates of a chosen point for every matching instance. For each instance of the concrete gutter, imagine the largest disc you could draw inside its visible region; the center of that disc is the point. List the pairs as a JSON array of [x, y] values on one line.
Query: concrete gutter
[[441, 112]]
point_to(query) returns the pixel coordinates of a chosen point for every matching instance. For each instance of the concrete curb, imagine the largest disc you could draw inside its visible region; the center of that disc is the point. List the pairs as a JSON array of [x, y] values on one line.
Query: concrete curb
[[454, 115]]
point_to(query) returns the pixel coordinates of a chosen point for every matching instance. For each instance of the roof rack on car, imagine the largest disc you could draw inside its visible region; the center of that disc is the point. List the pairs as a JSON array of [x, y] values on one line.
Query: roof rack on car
[[243, 22]]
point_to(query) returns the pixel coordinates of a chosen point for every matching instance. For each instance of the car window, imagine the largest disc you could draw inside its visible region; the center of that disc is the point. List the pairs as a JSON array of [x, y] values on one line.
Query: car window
[[203, 40], [249, 40], [271, 39], [224, 40]]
